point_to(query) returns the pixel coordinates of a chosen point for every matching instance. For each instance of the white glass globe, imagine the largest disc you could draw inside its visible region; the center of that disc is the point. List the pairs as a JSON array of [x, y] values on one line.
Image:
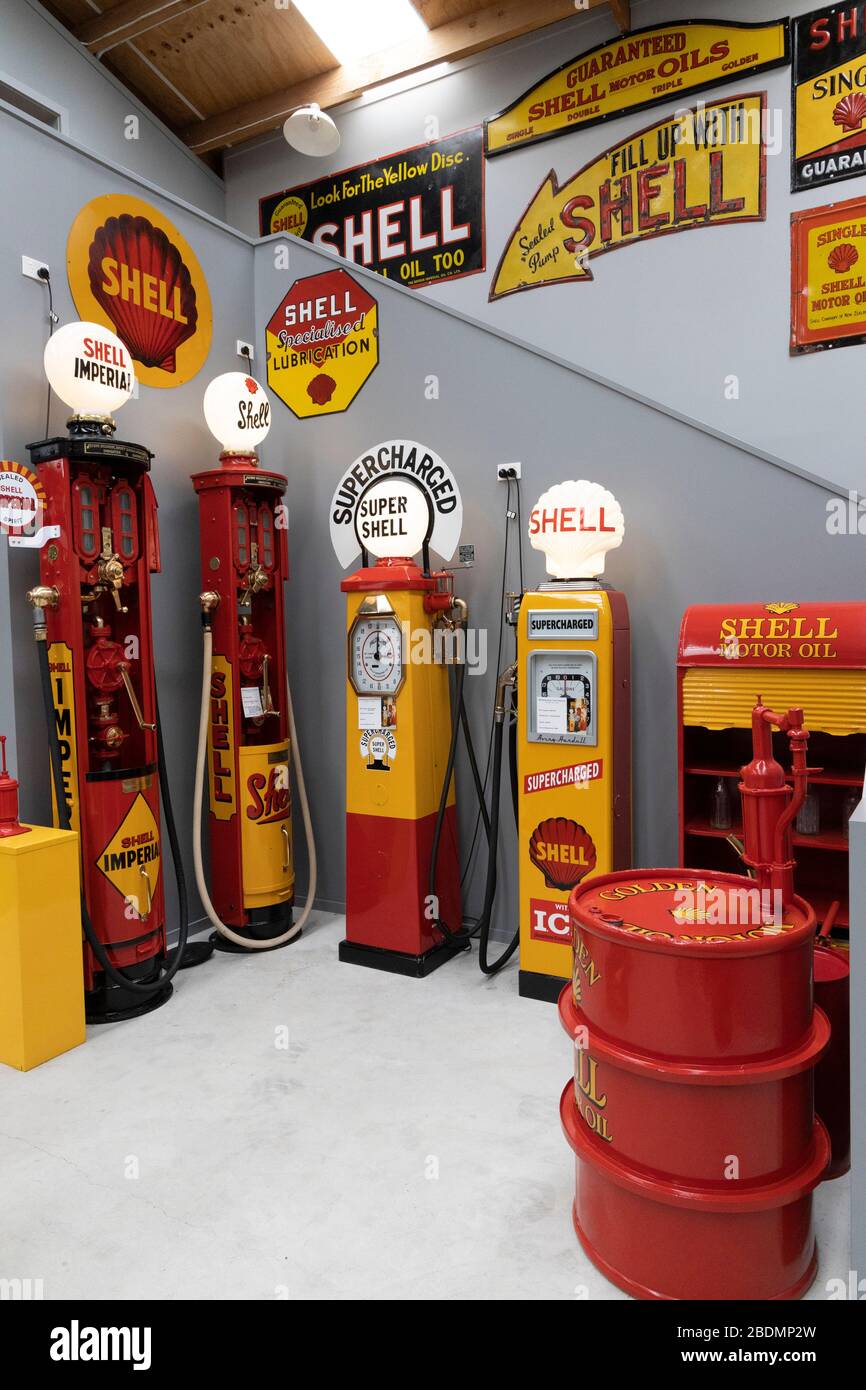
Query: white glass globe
[[89, 368], [237, 411], [575, 524], [392, 519]]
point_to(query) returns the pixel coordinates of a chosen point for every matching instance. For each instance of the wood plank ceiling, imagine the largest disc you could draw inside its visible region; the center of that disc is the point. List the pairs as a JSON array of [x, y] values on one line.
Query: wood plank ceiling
[[220, 71]]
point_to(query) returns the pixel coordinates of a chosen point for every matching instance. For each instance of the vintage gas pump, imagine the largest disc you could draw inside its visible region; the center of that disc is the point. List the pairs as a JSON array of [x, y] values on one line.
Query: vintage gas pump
[[247, 732], [574, 730], [404, 625], [92, 622]]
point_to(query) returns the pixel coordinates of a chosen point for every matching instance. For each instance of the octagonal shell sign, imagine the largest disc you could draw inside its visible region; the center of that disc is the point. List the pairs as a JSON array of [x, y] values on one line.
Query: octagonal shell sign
[[323, 344]]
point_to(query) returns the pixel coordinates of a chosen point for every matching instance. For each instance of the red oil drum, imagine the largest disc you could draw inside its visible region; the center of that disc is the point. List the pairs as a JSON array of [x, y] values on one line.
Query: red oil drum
[[676, 1241], [691, 1122], [692, 1111], [833, 1076], [651, 977]]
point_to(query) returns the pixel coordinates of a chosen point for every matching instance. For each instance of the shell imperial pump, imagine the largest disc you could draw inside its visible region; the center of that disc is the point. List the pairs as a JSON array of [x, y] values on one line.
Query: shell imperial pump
[[92, 621]]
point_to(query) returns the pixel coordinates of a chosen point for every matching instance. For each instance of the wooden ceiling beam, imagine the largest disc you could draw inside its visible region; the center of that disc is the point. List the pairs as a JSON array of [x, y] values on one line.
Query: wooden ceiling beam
[[622, 14], [128, 20], [449, 42]]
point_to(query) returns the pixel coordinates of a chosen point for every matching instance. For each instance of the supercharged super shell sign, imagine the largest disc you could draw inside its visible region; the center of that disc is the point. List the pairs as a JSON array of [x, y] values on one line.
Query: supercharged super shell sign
[[131, 270]]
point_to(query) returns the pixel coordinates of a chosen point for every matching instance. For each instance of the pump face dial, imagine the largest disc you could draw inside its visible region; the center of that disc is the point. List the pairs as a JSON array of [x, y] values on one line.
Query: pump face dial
[[375, 656], [562, 697]]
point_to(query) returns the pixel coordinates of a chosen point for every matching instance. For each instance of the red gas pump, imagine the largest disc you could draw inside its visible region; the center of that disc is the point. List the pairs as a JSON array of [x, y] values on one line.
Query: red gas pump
[[92, 621], [247, 732]]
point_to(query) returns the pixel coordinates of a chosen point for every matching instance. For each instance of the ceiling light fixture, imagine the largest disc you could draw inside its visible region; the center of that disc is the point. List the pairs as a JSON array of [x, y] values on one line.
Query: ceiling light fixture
[[351, 29], [310, 130]]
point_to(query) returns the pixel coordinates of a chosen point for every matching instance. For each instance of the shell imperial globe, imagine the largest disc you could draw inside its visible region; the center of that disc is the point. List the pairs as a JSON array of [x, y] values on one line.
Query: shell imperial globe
[[89, 368]]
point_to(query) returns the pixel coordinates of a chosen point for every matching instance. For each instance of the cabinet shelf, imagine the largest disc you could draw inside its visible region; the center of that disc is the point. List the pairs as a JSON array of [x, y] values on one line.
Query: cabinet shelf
[[825, 839], [824, 778]]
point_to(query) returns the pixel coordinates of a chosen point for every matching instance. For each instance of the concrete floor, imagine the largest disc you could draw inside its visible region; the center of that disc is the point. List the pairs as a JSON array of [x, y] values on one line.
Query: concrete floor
[[404, 1144]]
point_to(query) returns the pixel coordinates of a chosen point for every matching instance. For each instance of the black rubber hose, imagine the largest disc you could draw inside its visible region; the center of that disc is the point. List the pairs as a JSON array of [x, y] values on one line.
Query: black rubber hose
[[491, 967], [114, 973], [512, 764], [458, 936], [473, 763], [176, 857]]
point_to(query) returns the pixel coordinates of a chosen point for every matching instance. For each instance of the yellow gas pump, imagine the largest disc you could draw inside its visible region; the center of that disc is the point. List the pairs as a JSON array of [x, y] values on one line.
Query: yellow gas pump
[[403, 907], [574, 725]]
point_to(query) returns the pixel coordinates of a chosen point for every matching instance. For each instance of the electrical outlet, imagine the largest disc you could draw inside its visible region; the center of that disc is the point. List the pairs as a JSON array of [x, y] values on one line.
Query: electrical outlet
[[507, 472], [32, 267], [246, 350]]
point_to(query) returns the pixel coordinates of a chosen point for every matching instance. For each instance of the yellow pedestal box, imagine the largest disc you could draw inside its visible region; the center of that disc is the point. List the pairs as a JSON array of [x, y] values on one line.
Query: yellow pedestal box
[[41, 970]]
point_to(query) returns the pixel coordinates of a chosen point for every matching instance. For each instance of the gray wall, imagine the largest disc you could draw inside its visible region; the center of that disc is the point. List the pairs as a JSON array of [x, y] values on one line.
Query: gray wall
[[705, 521], [36, 51], [45, 181], [670, 319]]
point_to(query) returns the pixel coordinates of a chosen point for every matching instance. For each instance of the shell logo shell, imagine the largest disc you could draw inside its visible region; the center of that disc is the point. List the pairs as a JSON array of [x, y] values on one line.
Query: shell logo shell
[[131, 270], [562, 851], [842, 257], [780, 608], [850, 112]]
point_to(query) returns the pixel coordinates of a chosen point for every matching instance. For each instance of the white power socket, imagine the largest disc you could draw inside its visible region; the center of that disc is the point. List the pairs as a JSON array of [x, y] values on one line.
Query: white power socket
[[246, 350], [506, 472], [31, 268]]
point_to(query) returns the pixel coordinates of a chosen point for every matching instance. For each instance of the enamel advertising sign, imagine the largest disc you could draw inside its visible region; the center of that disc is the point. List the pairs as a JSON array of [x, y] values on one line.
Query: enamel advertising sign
[[131, 271], [416, 217], [634, 73], [323, 344], [828, 277], [699, 168], [829, 96]]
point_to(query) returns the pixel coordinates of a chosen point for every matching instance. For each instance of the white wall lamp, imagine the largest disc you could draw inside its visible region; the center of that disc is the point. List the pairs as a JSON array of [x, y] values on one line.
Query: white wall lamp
[[310, 130]]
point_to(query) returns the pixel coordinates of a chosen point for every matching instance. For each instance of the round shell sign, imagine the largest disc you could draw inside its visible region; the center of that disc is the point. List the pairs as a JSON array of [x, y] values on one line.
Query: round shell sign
[[323, 344], [22, 496], [132, 271]]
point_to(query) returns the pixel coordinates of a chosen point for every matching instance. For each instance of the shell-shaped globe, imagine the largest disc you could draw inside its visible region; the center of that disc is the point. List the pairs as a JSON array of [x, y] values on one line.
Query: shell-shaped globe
[[575, 524]]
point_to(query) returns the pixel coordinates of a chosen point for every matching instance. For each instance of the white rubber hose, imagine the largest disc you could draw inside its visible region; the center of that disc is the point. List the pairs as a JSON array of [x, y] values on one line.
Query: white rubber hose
[[201, 760]]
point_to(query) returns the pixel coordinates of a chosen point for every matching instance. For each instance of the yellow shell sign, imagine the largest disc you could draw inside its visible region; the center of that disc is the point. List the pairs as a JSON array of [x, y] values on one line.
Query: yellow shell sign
[[131, 270], [635, 72], [323, 344], [699, 168], [133, 854]]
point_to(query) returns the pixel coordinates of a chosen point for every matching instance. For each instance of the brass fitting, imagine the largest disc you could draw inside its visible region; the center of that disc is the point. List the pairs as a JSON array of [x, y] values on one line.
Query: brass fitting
[[508, 680], [209, 600], [43, 596]]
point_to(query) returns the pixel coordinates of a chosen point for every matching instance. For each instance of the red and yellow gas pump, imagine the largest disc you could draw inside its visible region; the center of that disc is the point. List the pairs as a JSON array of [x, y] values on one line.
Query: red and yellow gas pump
[[92, 621], [574, 725], [247, 734], [403, 905]]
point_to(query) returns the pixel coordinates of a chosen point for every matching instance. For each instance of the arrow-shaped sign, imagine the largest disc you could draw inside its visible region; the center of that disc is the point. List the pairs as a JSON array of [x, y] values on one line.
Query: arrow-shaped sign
[[701, 167]]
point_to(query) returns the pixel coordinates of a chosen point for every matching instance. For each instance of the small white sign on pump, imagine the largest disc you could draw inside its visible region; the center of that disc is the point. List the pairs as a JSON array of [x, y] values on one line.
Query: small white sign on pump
[[575, 524], [391, 499], [89, 368]]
